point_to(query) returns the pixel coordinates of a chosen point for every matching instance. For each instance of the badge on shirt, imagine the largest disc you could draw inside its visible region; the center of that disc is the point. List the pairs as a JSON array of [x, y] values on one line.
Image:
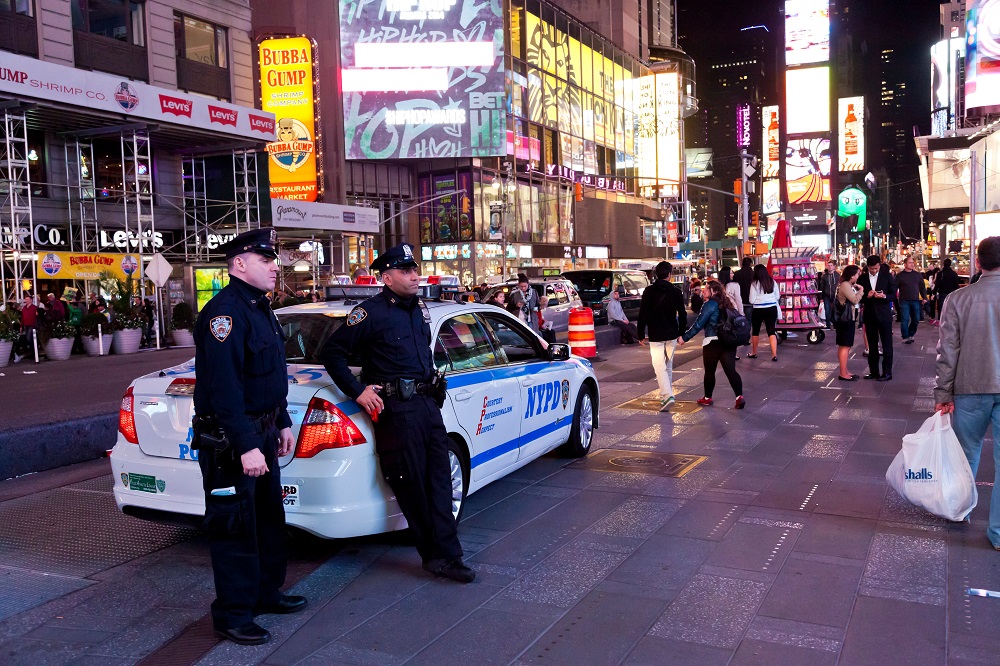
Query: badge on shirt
[[221, 326], [357, 316]]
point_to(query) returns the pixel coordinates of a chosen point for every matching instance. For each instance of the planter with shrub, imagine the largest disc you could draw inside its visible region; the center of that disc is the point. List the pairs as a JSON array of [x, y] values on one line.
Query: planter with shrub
[[10, 331], [88, 333], [59, 342], [182, 325]]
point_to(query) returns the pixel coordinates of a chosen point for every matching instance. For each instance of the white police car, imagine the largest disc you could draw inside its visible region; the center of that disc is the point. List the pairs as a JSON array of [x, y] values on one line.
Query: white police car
[[510, 400]]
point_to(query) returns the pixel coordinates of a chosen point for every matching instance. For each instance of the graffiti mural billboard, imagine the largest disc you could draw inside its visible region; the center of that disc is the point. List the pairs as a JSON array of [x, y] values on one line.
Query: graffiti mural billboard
[[423, 78]]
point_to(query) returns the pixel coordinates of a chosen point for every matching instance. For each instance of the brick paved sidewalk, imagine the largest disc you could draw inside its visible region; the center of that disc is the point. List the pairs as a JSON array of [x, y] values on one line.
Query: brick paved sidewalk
[[784, 546]]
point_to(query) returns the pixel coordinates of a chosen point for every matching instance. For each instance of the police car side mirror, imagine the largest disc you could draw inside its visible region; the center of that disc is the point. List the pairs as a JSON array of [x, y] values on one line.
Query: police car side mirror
[[558, 352]]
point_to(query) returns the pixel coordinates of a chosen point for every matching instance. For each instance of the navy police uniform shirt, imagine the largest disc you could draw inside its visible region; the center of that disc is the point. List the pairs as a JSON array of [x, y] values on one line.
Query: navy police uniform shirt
[[240, 369], [391, 337]]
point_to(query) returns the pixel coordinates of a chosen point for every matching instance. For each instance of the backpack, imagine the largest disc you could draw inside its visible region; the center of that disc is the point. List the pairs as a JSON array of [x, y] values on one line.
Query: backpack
[[733, 329]]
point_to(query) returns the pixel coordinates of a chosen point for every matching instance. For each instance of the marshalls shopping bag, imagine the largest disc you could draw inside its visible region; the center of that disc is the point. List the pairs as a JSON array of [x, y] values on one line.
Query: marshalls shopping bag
[[932, 472]]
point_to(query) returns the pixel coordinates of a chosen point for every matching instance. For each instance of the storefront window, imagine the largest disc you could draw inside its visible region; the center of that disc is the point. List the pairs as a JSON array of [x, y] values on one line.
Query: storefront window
[[566, 215], [37, 156], [550, 92], [107, 170], [549, 213], [536, 97], [115, 19], [516, 28], [562, 99], [551, 150]]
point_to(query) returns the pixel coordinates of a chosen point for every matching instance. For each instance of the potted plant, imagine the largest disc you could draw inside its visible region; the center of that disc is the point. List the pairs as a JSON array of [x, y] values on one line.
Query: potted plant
[[59, 340], [10, 330], [88, 332], [126, 321], [182, 325]]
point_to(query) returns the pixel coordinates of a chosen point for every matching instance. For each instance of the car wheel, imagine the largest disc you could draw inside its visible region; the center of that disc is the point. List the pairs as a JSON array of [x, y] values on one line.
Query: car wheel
[[459, 478], [581, 435]]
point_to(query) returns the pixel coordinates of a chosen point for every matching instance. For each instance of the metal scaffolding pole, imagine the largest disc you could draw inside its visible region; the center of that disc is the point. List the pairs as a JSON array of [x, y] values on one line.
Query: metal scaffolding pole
[[81, 196], [195, 208], [137, 180], [245, 186], [17, 247]]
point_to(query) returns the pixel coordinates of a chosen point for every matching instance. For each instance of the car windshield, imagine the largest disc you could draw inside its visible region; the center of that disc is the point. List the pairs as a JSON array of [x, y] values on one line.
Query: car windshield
[[307, 332], [591, 282]]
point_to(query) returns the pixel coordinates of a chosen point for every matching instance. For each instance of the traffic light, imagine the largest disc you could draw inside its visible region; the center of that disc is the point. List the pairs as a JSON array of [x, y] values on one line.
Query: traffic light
[[755, 218], [578, 191], [738, 191]]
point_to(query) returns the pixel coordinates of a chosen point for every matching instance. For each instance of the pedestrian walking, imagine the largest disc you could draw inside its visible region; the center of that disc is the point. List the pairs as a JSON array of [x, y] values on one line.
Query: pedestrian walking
[[662, 313], [696, 298], [764, 299], [911, 293], [845, 313], [945, 283], [733, 291], [241, 428], [713, 351], [879, 293], [403, 393], [617, 318], [829, 283], [55, 309], [968, 368], [744, 278], [524, 300]]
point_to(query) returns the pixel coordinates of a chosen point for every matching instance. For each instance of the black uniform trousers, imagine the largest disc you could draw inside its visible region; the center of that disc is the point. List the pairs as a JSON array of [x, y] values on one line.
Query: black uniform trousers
[[246, 535], [875, 330], [412, 446]]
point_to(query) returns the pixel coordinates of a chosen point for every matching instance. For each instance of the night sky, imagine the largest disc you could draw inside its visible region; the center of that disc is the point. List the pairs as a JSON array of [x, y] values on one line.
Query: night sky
[[703, 27]]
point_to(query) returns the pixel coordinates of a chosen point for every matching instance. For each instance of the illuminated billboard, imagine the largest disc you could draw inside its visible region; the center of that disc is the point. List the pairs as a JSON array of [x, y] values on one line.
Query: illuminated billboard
[[286, 90], [770, 196], [946, 59], [807, 170], [807, 100], [982, 57], [771, 153], [851, 142], [658, 139], [807, 31], [422, 78], [743, 122]]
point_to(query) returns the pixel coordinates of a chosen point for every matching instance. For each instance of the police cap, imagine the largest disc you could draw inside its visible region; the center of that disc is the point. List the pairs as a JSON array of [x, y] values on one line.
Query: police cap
[[262, 241], [400, 256]]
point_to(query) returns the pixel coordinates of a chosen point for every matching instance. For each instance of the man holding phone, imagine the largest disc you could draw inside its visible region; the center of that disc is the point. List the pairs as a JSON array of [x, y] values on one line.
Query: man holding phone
[[879, 287]]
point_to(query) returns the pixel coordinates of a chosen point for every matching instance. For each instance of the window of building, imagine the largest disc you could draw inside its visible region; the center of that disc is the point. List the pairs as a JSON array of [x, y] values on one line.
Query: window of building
[[22, 7], [107, 170], [37, 156], [116, 19], [200, 41]]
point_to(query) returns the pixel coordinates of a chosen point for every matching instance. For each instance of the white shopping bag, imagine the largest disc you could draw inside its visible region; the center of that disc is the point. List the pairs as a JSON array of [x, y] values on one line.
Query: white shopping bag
[[932, 472]]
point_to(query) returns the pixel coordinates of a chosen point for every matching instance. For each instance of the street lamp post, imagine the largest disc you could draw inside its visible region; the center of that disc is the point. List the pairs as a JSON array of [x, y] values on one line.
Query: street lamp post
[[503, 186]]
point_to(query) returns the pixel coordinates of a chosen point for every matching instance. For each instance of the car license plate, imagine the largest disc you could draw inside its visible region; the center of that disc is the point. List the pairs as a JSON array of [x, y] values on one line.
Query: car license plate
[[143, 483], [290, 495]]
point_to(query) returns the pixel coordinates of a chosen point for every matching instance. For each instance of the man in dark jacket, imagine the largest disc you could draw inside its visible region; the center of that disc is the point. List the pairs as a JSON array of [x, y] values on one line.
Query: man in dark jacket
[[744, 277], [879, 289], [829, 282], [945, 283], [662, 311]]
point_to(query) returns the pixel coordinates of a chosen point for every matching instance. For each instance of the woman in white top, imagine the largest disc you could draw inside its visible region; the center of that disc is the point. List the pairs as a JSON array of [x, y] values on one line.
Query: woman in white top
[[764, 298]]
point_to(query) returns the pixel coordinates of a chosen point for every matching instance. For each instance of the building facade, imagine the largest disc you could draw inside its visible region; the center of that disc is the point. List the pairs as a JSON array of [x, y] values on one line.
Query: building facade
[[129, 128]]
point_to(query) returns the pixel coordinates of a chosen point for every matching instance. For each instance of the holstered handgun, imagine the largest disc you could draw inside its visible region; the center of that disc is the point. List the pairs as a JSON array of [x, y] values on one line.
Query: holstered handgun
[[208, 434]]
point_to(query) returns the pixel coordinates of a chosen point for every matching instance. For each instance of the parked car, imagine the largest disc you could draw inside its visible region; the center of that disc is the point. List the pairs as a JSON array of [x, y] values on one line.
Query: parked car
[[557, 296], [595, 287], [511, 399]]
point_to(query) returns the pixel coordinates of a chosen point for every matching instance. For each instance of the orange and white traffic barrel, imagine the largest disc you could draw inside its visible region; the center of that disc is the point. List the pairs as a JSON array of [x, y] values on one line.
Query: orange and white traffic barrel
[[582, 339]]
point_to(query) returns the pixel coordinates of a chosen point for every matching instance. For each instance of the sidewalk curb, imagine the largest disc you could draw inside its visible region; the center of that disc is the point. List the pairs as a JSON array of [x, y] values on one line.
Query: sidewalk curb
[[44, 447]]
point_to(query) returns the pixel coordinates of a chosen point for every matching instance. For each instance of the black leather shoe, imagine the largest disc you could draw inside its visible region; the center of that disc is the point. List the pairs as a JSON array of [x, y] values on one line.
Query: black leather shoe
[[886, 378], [871, 376], [250, 633], [852, 378], [455, 570], [283, 606]]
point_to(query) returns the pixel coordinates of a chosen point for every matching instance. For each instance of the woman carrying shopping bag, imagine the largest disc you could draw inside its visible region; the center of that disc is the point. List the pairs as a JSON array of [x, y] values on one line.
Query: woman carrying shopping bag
[[713, 351]]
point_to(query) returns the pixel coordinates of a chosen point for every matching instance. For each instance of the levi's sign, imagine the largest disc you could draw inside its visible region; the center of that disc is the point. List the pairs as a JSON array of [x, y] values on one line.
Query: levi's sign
[[50, 83], [175, 105]]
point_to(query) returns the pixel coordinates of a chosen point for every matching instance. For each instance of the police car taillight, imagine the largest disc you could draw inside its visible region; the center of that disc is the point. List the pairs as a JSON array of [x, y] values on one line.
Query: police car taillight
[[181, 386], [326, 427], [126, 417]]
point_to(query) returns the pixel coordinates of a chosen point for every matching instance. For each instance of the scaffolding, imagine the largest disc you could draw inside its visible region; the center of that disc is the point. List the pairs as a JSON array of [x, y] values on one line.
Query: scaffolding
[[245, 186], [195, 202], [137, 180], [84, 234], [17, 248]]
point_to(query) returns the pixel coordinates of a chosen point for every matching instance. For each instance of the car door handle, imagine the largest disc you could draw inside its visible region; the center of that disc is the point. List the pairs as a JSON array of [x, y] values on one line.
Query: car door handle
[[527, 381], [463, 395]]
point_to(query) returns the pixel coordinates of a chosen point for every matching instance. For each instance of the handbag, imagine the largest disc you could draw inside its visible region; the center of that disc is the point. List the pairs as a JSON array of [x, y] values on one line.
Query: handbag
[[843, 312]]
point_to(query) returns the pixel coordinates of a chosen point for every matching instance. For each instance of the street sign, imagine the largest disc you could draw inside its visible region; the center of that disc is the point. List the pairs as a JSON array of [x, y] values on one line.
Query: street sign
[[158, 270]]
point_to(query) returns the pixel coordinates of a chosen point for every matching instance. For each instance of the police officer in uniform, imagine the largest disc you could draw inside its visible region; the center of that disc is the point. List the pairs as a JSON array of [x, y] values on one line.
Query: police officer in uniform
[[241, 427], [390, 334]]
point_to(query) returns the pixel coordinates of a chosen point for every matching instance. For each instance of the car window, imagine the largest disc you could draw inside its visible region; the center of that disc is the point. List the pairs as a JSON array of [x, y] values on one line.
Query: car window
[[441, 360], [306, 334], [466, 343], [630, 287], [519, 345], [561, 293], [639, 280], [572, 292]]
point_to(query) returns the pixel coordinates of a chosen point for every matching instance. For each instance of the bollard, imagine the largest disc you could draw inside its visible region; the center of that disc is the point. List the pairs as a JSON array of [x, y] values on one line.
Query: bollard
[[582, 338], [34, 339], [100, 340]]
